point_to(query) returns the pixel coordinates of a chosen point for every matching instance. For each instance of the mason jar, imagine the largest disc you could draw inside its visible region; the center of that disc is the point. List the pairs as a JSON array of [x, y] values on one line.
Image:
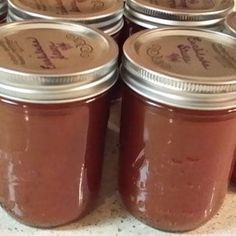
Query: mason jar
[[143, 14], [54, 79], [178, 125]]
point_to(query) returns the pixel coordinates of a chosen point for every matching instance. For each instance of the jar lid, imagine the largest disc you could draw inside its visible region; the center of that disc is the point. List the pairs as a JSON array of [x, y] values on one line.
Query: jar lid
[[231, 23], [181, 13], [102, 14], [50, 62], [186, 68]]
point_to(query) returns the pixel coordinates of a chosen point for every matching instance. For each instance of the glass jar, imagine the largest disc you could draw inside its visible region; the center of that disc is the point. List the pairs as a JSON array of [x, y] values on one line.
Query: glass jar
[[178, 125], [106, 15], [54, 78], [149, 14]]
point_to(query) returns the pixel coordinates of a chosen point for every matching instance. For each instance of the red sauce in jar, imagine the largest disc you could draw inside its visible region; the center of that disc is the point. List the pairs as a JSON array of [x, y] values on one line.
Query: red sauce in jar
[[51, 159], [52, 143], [174, 163], [178, 126]]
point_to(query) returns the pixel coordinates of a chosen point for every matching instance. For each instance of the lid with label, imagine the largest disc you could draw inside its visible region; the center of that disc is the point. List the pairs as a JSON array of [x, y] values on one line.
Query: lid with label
[[102, 14], [179, 13], [49, 62], [186, 68], [231, 23]]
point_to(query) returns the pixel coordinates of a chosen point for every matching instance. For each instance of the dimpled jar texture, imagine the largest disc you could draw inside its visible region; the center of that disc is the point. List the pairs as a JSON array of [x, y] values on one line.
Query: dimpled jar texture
[[174, 163]]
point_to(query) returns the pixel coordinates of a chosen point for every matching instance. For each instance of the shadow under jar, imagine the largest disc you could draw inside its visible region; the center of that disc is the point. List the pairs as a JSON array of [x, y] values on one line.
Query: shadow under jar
[[106, 15], [178, 125], [147, 14], [54, 106]]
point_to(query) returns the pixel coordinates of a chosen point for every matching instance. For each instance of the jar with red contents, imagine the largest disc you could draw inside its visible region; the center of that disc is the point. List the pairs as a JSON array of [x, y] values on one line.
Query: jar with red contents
[[178, 125], [149, 14], [3, 11], [54, 105]]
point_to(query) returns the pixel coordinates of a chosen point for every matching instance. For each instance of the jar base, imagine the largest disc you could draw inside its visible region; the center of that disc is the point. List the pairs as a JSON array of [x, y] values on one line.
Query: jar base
[[43, 225], [142, 218]]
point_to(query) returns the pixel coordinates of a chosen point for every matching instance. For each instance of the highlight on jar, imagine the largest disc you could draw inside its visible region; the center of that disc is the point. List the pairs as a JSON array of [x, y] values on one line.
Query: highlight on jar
[[3, 11], [143, 14], [178, 126], [54, 78]]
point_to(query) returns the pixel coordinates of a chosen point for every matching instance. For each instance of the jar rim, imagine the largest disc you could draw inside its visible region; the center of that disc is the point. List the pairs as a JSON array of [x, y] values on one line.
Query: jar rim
[[44, 69], [110, 27], [104, 19], [156, 76], [147, 11], [151, 22]]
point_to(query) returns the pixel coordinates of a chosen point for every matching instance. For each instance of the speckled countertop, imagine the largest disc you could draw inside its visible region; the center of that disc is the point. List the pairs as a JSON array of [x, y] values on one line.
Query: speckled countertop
[[110, 218]]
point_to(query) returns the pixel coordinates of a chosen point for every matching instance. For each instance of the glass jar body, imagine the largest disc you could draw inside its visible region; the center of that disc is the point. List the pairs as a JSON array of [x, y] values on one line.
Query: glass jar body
[[51, 159], [174, 163]]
